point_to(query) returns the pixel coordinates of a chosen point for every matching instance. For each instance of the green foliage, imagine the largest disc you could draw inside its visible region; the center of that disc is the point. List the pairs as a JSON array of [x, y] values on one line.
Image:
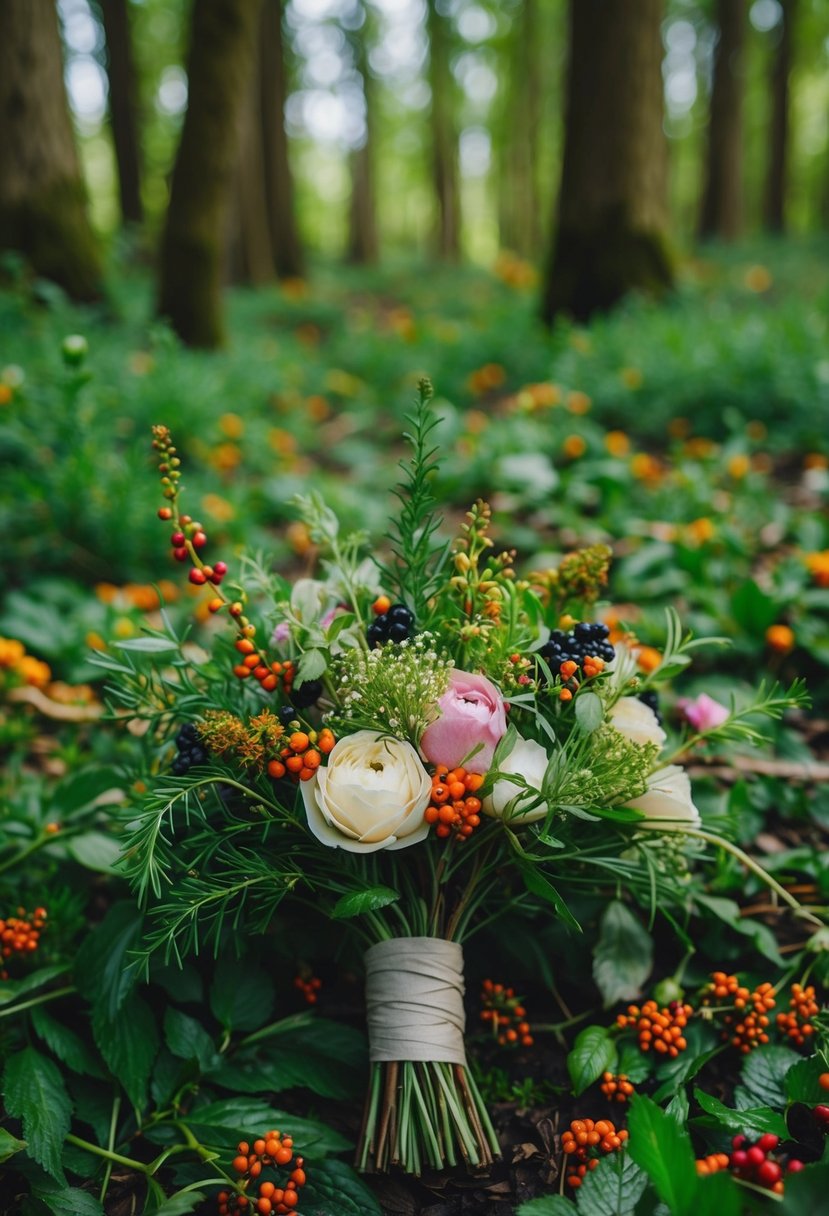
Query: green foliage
[[33, 1091], [623, 955], [593, 1053]]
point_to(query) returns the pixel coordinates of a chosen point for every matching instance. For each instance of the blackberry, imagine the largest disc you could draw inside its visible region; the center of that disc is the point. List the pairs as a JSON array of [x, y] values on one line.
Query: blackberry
[[190, 750], [307, 694], [394, 625], [287, 714], [585, 638], [651, 699]]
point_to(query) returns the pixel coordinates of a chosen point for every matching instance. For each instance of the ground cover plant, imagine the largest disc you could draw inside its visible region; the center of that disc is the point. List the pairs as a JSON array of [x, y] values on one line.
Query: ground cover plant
[[161, 1083]]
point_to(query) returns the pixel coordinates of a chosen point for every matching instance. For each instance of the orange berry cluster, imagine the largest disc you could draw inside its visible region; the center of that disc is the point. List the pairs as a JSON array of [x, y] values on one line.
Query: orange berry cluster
[[506, 1015], [726, 988], [273, 1149], [302, 755], [567, 670], [750, 1030], [585, 1141], [270, 675], [797, 1023], [309, 987], [713, 1163], [20, 934], [453, 807], [616, 1086], [658, 1029]]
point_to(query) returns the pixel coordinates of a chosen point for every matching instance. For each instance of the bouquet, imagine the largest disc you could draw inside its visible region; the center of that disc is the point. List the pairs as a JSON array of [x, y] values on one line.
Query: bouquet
[[411, 742]]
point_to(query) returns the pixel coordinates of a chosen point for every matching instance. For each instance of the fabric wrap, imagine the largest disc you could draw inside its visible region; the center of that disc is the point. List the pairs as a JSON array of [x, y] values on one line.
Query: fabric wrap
[[414, 1000]]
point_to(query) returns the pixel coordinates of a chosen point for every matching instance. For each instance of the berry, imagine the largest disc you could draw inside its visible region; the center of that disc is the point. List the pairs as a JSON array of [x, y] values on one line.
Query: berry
[[197, 577], [308, 693], [286, 714], [394, 625], [823, 1080]]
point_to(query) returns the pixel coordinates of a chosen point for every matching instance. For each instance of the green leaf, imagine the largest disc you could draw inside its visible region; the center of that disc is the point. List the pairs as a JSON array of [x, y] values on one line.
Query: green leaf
[[633, 1062], [187, 1039], [805, 1192], [549, 1205], [703, 1045], [312, 666], [323, 1056], [730, 914], [721, 1194], [753, 610], [182, 983], [594, 1052], [613, 1188], [229, 1120], [33, 1090], [9, 1145], [537, 884], [12, 989], [802, 1083], [589, 711], [180, 1204], [333, 1189], [764, 1074], [242, 994], [663, 1150], [148, 645], [82, 789], [758, 1119], [623, 957], [679, 1107], [95, 851], [129, 1044], [70, 1199], [353, 903], [68, 1046], [102, 968]]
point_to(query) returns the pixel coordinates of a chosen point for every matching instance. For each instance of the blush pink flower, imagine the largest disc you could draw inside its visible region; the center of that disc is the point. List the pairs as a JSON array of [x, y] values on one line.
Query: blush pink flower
[[703, 713], [472, 715]]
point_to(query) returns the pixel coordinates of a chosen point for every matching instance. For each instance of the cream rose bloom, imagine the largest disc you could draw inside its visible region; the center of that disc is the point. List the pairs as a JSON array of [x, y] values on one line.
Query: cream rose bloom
[[370, 796], [529, 760], [636, 721], [666, 803]]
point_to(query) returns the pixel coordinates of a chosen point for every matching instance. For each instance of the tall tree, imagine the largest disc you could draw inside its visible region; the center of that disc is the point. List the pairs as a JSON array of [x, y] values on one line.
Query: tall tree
[[611, 233], [192, 252], [279, 183], [42, 197], [519, 206], [122, 106], [363, 243], [250, 248], [777, 178], [722, 201], [444, 135]]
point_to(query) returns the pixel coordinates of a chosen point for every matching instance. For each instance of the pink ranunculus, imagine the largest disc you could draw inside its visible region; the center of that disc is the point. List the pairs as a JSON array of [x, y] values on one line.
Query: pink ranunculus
[[471, 714], [703, 713]]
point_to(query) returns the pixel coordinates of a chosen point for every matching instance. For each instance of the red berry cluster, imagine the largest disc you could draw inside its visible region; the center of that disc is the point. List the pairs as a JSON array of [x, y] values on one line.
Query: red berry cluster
[[309, 986], [453, 807], [585, 1141], [302, 754], [506, 1015], [820, 1114], [20, 934], [797, 1023], [658, 1029], [271, 1150], [760, 1163], [616, 1087]]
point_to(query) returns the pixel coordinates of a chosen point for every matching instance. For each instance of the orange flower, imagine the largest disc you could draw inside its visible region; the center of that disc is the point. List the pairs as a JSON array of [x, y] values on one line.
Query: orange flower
[[617, 443], [780, 638], [218, 507], [573, 447], [738, 465], [578, 402], [646, 468], [757, 279], [818, 566], [648, 658], [232, 426], [33, 671], [700, 530]]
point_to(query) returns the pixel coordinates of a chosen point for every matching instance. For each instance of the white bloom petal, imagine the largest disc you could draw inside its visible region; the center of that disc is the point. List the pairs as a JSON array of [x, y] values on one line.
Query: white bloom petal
[[636, 721], [529, 760], [667, 803]]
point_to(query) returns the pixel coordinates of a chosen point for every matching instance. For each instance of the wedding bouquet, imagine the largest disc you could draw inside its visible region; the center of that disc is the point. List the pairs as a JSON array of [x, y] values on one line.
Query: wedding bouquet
[[412, 742]]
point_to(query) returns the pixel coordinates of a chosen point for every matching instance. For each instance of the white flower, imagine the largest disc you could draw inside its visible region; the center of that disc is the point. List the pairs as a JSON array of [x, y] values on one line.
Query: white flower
[[371, 795], [529, 760], [666, 803], [636, 721]]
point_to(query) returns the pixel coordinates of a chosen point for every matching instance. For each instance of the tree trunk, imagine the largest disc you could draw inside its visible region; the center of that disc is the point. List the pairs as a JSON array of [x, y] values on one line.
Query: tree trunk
[[722, 204], [519, 211], [122, 107], [775, 203], [219, 63], [279, 184], [363, 245], [612, 212], [250, 248], [42, 196], [444, 137]]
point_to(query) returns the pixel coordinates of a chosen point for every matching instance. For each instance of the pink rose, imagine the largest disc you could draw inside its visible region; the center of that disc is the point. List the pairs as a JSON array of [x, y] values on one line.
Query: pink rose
[[471, 714], [704, 713]]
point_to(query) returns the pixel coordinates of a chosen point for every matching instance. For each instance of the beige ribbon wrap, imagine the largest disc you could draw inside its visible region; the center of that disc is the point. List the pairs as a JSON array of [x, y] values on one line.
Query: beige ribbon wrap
[[414, 1000]]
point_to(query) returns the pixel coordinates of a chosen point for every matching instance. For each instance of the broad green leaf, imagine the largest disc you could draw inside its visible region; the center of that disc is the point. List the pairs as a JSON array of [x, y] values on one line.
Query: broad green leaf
[[729, 912], [753, 610], [68, 1046], [806, 1192], [129, 1043], [549, 1205], [10, 990], [679, 1107], [703, 1045], [589, 711], [594, 1052], [181, 983], [764, 1074], [95, 851], [312, 665], [623, 957], [353, 903], [82, 789], [148, 645], [759, 1119], [187, 1039], [242, 994], [33, 1090], [180, 1204], [102, 968], [9, 1145], [537, 884], [333, 1189], [720, 1194], [802, 1083], [634, 1063], [233, 1118], [70, 1199], [323, 1056], [663, 1150], [613, 1188]]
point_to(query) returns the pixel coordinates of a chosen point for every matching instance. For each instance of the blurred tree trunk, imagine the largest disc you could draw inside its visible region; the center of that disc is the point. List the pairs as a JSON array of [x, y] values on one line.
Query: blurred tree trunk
[[776, 182], [218, 68], [122, 107], [722, 202], [279, 183], [250, 248], [520, 208], [444, 136], [363, 244], [611, 232], [42, 196]]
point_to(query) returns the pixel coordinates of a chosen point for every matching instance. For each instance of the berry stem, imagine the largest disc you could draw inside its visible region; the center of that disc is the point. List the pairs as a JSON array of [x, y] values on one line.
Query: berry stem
[[108, 1154], [113, 1123], [37, 1000]]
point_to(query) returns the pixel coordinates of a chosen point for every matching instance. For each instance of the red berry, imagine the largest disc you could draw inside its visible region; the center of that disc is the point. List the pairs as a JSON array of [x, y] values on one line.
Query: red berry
[[794, 1166], [184, 520], [220, 568], [821, 1113], [197, 576], [768, 1141], [738, 1141], [177, 540], [165, 513], [739, 1158], [199, 540], [181, 555], [768, 1173], [755, 1155]]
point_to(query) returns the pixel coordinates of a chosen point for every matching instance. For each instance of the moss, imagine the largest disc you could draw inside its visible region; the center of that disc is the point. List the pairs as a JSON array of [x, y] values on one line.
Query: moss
[[52, 232]]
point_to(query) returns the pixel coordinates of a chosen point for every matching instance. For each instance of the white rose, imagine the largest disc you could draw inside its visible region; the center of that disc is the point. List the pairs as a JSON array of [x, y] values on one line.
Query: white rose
[[371, 795], [529, 760], [666, 803], [636, 721]]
